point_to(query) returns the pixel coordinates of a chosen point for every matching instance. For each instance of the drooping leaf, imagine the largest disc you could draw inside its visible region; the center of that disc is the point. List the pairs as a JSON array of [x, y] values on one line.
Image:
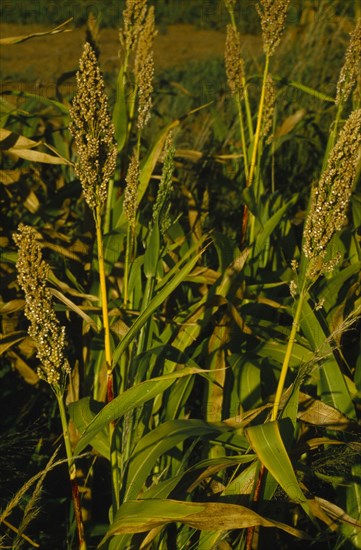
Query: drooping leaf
[[22, 147], [40, 99], [140, 516], [78, 310], [314, 411], [16, 39], [26, 372]]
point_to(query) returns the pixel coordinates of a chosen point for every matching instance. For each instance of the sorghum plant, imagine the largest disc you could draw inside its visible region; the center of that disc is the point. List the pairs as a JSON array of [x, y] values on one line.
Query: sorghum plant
[[327, 214], [49, 337], [93, 133], [273, 17]]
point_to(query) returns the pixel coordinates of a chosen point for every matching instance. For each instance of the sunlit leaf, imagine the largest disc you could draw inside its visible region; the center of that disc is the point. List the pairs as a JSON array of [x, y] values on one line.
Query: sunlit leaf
[[82, 413], [22, 147], [267, 443], [9, 340], [78, 310], [16, 39], [333, 388], [140, 516], [127, 401]]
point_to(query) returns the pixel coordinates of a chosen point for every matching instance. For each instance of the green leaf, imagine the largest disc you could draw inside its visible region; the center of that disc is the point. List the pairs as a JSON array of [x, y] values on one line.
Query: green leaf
[[177, 397], [332, 386], [269, 226], [246, 389], [144, 515], [304, 88], [157, 442], [40, 99], [334, 284], [82, 413], [267, 443], [180, 274], [353, 506], [275, 349], [127, 401], [149, 165], [210, 466], [151, 255]]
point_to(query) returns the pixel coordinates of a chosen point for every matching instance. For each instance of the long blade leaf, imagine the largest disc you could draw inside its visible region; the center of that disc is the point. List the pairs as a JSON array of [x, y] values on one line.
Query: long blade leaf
[[127, 401]]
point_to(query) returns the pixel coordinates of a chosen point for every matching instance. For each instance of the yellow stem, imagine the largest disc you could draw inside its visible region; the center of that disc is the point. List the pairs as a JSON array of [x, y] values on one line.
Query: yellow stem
[[259, 124], [103, 290], [287, 357], [108, 359], [256, 139], [248, 108], [126, 266], [243, 138]]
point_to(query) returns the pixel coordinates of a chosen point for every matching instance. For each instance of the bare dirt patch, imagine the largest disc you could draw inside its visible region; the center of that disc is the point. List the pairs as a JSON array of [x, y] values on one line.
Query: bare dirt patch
[[43, 60]]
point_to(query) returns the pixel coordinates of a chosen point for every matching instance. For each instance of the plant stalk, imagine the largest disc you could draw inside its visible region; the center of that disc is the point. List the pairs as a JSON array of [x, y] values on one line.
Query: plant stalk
[[72, 472], [287, 357], [108, 358], [103, 292], [253, 163]]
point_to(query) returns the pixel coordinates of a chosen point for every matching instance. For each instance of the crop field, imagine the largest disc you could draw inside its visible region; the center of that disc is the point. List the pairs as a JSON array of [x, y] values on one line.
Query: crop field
[[181, 275]]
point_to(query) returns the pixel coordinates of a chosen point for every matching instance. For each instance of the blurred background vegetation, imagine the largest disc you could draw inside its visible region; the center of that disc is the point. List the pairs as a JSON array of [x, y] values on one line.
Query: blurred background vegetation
[[202, 13]]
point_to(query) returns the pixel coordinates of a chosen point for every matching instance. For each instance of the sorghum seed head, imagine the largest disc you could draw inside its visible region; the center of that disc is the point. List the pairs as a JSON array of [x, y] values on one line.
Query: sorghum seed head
[[330, 197], [351, 68], [273, 15], [294, 265], [144, 68], [229, 4], [93, 131], [130, 203], [233, 60], [293, 288], [269, 106], [162, 204], [133, 18], [45, 329]]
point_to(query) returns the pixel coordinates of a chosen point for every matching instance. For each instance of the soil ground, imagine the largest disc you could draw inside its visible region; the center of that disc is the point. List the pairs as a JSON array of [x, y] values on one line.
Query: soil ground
[[42, 60]]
